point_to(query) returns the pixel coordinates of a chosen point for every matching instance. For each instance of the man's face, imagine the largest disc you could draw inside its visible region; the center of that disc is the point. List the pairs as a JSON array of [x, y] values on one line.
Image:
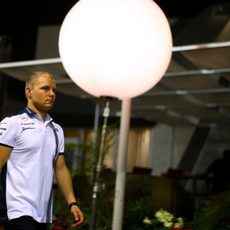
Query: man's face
[[42, 93]]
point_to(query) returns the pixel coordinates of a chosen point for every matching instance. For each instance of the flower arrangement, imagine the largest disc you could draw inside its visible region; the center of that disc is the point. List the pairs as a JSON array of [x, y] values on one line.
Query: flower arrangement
[[165, 220]]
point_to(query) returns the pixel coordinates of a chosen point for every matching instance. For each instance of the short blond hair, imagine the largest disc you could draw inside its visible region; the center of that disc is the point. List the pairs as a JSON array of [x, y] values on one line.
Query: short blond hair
[[35, 75]]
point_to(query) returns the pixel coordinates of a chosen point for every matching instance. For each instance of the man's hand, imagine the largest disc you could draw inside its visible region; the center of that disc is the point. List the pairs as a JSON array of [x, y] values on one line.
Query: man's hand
[[78, 216]]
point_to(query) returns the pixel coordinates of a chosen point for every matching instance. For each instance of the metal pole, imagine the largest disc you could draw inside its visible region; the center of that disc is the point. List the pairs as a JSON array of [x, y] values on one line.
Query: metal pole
[[95, 140], [97, 184], [121, 165], [58, 60]]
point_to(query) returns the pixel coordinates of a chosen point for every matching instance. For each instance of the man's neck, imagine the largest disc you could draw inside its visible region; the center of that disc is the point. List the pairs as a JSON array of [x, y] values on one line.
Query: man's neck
[[37, 111]]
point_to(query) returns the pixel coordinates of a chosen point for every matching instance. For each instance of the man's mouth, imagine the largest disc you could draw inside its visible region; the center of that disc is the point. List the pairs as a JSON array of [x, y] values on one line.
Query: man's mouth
[[49, 101]]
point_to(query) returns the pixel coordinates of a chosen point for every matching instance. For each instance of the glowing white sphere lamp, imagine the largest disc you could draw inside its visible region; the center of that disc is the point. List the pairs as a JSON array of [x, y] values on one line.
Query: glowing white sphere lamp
[[116, 48]]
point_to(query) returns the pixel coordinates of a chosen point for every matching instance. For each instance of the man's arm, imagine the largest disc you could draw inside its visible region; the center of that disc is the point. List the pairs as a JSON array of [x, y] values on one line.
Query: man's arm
[[64, 182], [5, 152]]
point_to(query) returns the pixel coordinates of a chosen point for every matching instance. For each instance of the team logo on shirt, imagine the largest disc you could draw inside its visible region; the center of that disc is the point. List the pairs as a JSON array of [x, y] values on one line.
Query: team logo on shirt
[[54, 128], [24, 117], [25, 128], [27, 125]]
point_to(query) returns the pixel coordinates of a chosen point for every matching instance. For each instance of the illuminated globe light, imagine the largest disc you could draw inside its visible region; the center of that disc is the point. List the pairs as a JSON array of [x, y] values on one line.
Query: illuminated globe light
[[116, 48]]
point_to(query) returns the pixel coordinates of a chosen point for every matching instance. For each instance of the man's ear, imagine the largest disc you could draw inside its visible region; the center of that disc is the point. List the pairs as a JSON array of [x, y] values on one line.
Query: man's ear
[[28, 92]]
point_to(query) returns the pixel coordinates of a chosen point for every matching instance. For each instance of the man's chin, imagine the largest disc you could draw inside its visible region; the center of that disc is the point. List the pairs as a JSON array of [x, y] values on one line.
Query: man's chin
[[48, 107]]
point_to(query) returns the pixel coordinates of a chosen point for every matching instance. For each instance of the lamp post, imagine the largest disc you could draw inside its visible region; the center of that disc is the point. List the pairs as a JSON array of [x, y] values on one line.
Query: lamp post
[[97, 184], [119, 193], [115, 48]]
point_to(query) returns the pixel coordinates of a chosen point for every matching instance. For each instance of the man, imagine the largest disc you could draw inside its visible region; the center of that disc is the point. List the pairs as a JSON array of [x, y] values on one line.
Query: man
[[31, 150], [219, 172]]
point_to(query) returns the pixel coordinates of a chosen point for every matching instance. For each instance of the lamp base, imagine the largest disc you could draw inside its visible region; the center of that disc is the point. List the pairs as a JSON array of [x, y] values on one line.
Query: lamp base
[[108, 98]]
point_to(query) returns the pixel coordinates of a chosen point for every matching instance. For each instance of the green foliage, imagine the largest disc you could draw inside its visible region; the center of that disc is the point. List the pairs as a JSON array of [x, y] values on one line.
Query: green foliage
[[91, 149], [138, 204], [214, 214], [134, 217]]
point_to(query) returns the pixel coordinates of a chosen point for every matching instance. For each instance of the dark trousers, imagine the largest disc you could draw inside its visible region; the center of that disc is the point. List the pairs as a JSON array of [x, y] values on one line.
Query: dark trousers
[[26, 223]]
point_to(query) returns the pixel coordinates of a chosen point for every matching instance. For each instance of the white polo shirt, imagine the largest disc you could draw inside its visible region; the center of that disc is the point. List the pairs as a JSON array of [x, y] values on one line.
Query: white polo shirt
[[29, 168]]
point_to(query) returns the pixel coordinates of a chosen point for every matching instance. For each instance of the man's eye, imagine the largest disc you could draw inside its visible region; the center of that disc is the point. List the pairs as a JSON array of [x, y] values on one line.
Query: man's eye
[[46, 88]]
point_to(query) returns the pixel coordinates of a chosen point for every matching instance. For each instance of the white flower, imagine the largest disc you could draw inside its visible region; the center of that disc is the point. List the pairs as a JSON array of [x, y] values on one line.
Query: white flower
[[164, 216], [179, 223], [168, 224], [147, 221]]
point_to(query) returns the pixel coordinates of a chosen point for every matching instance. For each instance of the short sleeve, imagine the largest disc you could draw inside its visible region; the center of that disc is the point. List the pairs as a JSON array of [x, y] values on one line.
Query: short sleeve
[[60, 133], [7, 131]]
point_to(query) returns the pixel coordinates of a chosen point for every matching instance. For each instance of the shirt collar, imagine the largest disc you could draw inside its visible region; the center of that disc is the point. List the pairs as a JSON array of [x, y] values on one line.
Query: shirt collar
[[31, 114]]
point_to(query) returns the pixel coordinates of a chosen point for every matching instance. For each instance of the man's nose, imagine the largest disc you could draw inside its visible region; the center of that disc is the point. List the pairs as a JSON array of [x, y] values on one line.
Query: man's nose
[[52, 92]]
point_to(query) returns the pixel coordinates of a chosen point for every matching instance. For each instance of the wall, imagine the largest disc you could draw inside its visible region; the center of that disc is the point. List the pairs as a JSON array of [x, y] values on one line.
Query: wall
[[168, 146]]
